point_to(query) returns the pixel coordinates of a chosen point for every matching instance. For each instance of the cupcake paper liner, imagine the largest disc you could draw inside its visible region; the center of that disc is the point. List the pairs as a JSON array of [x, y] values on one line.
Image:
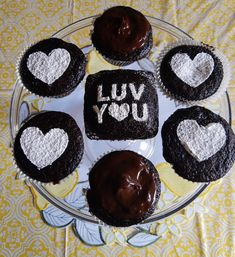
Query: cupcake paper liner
[[24, 176], [181, 100], [119, 62]]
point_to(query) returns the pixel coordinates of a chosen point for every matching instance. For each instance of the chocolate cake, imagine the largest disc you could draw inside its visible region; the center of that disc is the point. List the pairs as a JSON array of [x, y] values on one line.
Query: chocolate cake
[[52, 67], [124, 188], [121, 105], [199, 144], [191, 72], [122, 35], [48, 147]]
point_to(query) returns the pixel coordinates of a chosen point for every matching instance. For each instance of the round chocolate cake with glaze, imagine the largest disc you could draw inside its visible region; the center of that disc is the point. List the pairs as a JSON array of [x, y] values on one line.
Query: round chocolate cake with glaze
[[52, 67], [199, 144], [124, 188], [122, 35], [191, 72], [48, 147]]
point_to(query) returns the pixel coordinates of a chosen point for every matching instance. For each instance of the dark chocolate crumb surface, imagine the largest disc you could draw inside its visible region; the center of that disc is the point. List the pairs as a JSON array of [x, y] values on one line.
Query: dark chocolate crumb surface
[[181, 90], [70, 158], [183, 162], [65, 84], [128, 128]]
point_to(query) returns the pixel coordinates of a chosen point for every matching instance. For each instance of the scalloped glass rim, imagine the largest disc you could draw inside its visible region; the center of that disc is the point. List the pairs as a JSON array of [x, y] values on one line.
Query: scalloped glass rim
[[14, 121]]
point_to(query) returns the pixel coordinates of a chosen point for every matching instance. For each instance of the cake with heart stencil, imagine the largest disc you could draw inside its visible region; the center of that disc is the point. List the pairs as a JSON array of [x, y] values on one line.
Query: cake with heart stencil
[[121, 105], [48, 147], [124, 188], [199, 144], [192, 72], [51, 68]]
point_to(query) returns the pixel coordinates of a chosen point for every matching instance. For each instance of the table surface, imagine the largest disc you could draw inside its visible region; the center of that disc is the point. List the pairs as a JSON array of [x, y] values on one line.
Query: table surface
[[22, 232]]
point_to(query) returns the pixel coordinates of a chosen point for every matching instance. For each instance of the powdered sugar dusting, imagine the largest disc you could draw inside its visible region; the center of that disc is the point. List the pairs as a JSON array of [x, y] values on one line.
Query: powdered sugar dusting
[[136, 94], [100, 112], [145, 113], [114, 92], [192, 72], [48, 68], [201, 142], [119, 112], [42, 150]]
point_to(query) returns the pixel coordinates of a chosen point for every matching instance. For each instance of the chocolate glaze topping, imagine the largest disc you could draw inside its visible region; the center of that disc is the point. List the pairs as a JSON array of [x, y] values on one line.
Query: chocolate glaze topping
[[123, 184], [121, 29]]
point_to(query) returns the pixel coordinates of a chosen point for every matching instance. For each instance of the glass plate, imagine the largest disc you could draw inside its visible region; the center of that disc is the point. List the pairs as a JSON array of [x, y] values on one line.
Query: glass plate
[[23, 104]]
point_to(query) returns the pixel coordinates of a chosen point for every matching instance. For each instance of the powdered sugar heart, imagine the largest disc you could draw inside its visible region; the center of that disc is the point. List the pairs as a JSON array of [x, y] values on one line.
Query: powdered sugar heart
[[192, 72], [201, 142], [42, 150], [48, 68], [119, 112]]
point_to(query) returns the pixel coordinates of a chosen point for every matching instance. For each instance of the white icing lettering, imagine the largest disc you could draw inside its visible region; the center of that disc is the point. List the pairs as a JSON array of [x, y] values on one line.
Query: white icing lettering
[[120, 112], [114, 92], [144, 116], [100, 112], [136, 94], [100, 97]]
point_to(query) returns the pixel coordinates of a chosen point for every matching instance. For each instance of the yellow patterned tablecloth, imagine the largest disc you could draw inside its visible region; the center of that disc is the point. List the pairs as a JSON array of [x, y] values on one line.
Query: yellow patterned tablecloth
[[22, 232]]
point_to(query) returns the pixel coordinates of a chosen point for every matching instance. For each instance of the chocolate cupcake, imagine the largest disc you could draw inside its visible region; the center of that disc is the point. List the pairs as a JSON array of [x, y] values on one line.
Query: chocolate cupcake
[[193, 72], [122, 35], [121, 105], [48, 147], [52, 68], [199, 144], [124, 188]]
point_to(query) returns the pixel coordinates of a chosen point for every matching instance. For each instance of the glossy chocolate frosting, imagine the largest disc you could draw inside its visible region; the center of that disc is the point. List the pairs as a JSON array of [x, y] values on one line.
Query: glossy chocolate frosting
[[121, 29], [124, 185]]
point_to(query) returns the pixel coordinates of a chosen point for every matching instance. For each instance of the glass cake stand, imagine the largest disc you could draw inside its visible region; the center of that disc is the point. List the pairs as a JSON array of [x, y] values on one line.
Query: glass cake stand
[[23, 104]]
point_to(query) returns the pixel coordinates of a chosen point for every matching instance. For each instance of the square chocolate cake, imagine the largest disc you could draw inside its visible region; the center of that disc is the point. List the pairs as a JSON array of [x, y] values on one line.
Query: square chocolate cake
[[121, 105]]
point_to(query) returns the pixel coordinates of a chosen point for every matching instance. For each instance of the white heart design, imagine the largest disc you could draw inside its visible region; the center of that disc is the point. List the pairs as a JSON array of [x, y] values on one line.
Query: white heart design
[[119, 112], [201, 142], [43, 150], [49, 68], [192, 72]]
